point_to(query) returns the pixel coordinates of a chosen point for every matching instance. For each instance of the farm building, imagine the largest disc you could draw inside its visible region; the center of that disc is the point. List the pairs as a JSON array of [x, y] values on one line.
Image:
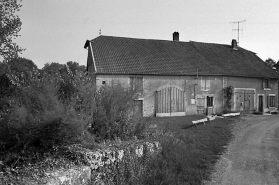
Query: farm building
[[176, 78]]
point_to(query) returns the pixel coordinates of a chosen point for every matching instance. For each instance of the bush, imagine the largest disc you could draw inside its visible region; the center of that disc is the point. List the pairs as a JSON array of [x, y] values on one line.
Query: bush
[[113, 117], [34, 113], [57, 109]]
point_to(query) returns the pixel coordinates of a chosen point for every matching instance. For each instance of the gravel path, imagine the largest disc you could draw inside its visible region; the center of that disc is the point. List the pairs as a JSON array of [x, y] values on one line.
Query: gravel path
[[252, 156]]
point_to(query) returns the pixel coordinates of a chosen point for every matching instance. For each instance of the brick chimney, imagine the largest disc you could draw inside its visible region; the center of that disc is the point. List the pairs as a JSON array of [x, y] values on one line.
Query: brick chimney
[[234, 44], [175, 36]]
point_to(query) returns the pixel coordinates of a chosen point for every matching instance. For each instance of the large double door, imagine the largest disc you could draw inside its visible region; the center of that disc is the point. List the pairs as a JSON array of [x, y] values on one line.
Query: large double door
[[170, 102], [244, 98]]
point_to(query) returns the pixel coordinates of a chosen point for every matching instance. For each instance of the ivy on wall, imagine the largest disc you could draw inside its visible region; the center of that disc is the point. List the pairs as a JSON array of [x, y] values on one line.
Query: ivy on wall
[[228, 93]]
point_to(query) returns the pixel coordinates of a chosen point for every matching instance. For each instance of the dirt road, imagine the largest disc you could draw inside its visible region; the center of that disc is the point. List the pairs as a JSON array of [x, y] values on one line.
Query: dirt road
[[253, 156]]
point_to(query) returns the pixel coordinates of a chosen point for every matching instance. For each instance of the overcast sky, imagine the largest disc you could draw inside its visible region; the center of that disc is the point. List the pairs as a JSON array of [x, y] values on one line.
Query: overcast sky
[[56, 30]]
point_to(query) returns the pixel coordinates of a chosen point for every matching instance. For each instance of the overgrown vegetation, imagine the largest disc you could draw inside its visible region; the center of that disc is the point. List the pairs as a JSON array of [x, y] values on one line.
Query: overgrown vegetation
[[189, 153], [228, 93], [42, 111]]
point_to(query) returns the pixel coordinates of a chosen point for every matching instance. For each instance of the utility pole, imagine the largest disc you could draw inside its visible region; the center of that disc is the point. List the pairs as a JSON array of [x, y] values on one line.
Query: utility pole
[[237, 22]]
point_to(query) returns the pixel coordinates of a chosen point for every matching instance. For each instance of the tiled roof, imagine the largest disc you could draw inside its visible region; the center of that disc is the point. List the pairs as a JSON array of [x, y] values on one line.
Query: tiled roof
[[120, 55]]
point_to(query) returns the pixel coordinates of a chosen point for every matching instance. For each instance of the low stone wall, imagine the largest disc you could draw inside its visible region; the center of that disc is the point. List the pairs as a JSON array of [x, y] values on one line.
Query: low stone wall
[[113, 165]]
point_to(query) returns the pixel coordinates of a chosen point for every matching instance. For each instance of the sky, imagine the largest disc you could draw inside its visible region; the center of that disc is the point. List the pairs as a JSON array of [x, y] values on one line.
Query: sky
[[56, 30]]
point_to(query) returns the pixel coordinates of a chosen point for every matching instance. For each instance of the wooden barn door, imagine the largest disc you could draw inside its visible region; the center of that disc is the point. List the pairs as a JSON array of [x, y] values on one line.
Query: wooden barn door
[[170, 102], [249, 101], [246, 98]]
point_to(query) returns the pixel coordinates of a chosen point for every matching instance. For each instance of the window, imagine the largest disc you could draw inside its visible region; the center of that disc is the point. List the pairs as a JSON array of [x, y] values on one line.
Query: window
[[209, 100], [271, 101], [205, 84], [266, 83], [136, 84]]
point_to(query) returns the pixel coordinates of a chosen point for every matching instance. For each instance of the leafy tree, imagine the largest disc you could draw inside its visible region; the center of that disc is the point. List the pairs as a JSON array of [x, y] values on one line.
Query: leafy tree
[[10, 25], [75, 67], [54, 67], [22, 65], [270, 62], [276, 66]]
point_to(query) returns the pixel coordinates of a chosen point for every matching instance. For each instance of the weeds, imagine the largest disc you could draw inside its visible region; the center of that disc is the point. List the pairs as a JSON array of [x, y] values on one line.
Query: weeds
[[50, 110], [188, 155]]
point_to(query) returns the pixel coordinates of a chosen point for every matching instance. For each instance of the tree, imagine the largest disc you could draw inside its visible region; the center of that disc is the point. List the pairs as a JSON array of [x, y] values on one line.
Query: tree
[[22, 65], [10, 25], [276, 66], [75, 67], [270, 62], [54, 67]]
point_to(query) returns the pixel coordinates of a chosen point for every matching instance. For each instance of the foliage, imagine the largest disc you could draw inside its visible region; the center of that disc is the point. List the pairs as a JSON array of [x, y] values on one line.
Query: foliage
[[20, 65], [10, 25], [276, 66], [270, 62], [44, 110], [189, 153], [75, 67], [113, 117], [53, 68], [53, 109], [228, 92]]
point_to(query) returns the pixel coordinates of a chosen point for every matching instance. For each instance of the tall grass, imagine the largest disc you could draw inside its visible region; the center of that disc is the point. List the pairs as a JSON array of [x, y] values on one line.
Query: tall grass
[[189, 153]]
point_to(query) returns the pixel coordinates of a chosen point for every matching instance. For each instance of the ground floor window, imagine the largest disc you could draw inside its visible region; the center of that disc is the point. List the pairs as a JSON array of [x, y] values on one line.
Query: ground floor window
[[271, 100], [209, 100]]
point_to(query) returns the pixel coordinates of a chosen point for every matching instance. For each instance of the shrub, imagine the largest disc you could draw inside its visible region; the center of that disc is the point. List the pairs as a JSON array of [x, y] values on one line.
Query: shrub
[[113, 117], [62, 108], [35, 114]]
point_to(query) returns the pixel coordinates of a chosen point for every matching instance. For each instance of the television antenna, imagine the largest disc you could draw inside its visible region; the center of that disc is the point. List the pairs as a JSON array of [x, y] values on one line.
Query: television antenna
[[237, 22]]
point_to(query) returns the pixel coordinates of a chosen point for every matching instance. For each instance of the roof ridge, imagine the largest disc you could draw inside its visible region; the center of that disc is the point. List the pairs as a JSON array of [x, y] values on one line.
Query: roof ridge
[[139, 38]]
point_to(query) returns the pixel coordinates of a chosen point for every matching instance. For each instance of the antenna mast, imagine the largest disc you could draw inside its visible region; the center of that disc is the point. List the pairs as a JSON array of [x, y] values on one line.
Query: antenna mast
[[237, 22]]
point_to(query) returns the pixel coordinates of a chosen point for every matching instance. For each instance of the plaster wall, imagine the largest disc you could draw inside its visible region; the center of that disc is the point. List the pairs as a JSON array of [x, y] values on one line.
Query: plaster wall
[[256, 85], [191, 85], [109, 79]]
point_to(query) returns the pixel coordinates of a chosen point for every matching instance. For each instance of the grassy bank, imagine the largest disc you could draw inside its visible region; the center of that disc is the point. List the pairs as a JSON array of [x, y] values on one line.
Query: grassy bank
[[189, 153]]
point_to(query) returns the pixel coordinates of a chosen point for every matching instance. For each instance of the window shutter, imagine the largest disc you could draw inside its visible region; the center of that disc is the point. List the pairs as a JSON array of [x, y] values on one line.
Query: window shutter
[[202, 83], [276, 101], [207, 84], [270, 85], [267, 101], [263, 83]]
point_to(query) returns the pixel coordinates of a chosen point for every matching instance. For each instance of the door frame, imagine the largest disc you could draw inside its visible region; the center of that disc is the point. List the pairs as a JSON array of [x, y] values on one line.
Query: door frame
[[258, 102], [170, 114]]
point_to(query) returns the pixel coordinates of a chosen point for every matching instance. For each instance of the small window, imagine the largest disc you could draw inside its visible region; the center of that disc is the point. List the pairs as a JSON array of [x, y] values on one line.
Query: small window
[[205, 84], [209, 100], [136, 83], [266, 83]]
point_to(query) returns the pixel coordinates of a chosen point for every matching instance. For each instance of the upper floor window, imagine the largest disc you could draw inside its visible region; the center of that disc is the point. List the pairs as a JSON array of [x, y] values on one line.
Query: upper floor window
[[205, 84], [136, 83], [266, 83]]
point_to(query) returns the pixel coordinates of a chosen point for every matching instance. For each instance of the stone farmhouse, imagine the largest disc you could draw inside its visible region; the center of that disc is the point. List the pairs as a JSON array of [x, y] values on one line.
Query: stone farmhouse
[[176, 78]]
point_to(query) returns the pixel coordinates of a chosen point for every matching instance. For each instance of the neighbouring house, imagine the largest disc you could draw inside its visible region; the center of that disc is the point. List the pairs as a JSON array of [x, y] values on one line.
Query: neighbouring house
[[176, 78]]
